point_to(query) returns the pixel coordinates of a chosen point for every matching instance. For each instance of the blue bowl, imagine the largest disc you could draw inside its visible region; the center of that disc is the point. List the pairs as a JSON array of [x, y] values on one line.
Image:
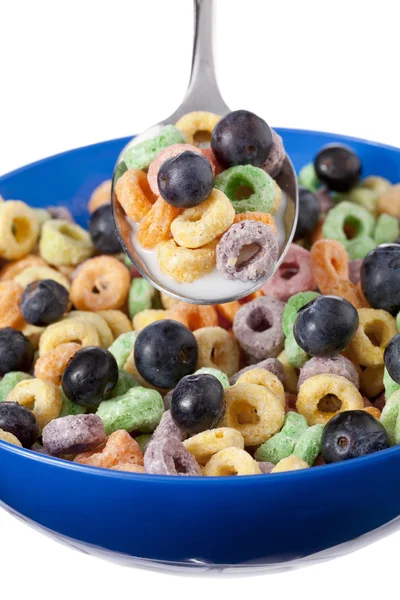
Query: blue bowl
[[240, 522]]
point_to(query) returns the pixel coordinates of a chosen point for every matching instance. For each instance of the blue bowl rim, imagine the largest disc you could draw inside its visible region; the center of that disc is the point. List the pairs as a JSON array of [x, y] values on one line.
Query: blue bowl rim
[[195, 480]]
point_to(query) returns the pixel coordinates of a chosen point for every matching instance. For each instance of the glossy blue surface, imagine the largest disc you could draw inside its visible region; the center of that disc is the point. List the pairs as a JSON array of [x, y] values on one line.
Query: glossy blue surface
[[260, 520]]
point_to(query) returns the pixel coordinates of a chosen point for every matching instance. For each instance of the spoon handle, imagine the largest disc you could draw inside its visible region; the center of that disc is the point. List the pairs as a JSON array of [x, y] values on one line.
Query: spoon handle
[[203, 91]]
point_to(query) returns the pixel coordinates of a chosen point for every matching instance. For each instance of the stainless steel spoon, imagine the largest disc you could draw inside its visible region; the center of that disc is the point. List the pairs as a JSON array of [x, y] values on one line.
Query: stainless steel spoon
[[203, 94]]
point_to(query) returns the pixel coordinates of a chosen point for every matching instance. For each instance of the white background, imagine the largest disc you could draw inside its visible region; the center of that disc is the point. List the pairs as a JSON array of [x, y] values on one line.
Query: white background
[[77, 72]]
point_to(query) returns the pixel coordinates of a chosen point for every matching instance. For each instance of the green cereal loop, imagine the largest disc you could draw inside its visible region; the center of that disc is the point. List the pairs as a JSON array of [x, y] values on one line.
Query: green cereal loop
[[141, 296], [127, 261], [256, 179], [295, 355], [122, 347], [363, 197], [308, 446], [359, 247], [141, 155], [70, 408], [391, 386], [140, 408], [9, 382], [143, 440], [120, 170], [387, 230], [347, 213], [125, 382], [222, 378], [308, 178], [42, 215], [390, 418], [282, 444]]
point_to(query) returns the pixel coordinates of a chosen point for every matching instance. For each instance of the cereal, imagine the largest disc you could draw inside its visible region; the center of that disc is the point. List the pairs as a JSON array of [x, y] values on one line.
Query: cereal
[[117, 321], [202, 224], [257, 216], [374, 332], [291, 463], [122, 347], [229, 309], [6, 436], [139, 408], [390, 385], [360, 247], [101, 195], [272, 365], [207, 443], [146, 317], [156, 225], [371, 381], [129, 468], [64, 243], [126, 381], [32, 274], [266, 379], [330, 263], [275, 159], [167, 301], [143, 441], [282, 443], [141, 296], [308, 447], [70, 408], [105, 334], [290, 374], [258, 328], [102, 283], [294, 354], [389, 201], [9, 382], [169, 152], [372, 410], [390, 418], [379, 185], [70, 330], [10, 312], [14, 268], [362, 196], [168, 456], [134, 194], [387, 229], [294, 275], [222, 377], [308, 178], [61, 212], [51, 366], [237, 182], [334, 365], [323, 396], [73, 434], [194, 316], [141, 155], [347, 214], [167, 428], [231, 461], [19, 229], [197, 123], [119, 449], [43, 398], [218, 349], [254, 411], [184, 264]]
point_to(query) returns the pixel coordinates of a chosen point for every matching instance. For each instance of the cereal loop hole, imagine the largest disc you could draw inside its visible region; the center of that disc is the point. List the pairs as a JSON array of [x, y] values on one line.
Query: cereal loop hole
[[244, 191], [246, 414], [288, 270], [20, 229], [329, 403], [257, 321], [202, 138]]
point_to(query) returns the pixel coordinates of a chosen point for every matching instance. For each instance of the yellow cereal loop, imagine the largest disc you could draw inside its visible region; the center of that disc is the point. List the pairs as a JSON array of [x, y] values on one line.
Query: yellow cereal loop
[[200, 225], [12, 269], [207, 443], [43, 398], [183, 264], [69, 330], [218, 349], [5, 436], [19, 229], [36, 273], [117, 321], [290, 463], [321, 397], [252, 410], [167, 301], [371, 381], [146, 317], [291, 374], [105, 333], [231, 461], [277, 199], [64, 243], [33, 333], [197, 126], [375, 330], [267, 379], [100, 196]]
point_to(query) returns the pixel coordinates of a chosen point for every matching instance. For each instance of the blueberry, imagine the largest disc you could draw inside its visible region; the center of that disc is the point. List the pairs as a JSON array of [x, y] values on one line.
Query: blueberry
[[185, 180], [325, 325], [90, 376], [103, 232], [309, 212], [380, 277], [392, 358], [21, 422], [338, 167], [16, 352], [165, 351], [44, 302], [197, 403], [241, 138], [350, 434]]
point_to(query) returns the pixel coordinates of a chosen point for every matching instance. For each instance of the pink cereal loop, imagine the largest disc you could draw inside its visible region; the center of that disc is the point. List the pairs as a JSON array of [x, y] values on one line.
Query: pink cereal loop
[[293, 276]]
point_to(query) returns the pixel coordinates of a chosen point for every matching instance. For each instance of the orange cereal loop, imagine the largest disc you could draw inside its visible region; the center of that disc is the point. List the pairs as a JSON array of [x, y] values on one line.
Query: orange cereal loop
[[256, 216], [102, 283], [119, 449], [195, 315], [134, 194], [229, 309], [52, 365], [372, 410], [14, 268], [156, 225], [100, 196], [365, 303], [329, 262], [10, 312], [347, 290], [389, 201], [67, 270]]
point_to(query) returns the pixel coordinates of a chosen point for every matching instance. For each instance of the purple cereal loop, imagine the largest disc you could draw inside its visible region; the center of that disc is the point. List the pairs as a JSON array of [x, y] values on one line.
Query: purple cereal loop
[[243, 234], [326, 202], [258, 328], [266, 467], [275, 159], [167, 428], [294, 275], [168, 456], [73, 434], [335, 365], [355, 270], [61, 212], [273, 365]]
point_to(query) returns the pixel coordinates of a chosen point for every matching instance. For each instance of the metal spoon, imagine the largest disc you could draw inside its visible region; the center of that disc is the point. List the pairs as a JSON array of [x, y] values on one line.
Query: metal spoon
[[203, 94]]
